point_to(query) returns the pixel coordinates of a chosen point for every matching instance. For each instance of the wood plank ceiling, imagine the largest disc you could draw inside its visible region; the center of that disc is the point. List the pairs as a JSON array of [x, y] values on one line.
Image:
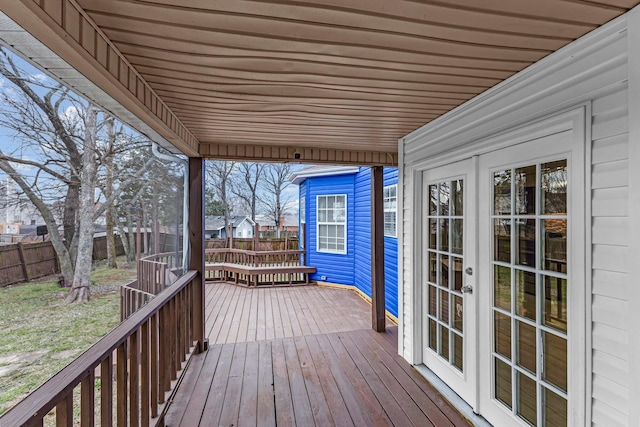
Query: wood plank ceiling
[[336, 74]]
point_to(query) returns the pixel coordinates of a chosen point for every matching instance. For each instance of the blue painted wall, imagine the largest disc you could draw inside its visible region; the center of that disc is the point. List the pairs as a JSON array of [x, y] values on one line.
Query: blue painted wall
[[354, 268], [337, 268]]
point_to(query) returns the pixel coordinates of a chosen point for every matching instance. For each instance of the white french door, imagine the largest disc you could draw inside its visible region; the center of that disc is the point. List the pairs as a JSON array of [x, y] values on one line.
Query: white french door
[[448, 260], [502, 289]]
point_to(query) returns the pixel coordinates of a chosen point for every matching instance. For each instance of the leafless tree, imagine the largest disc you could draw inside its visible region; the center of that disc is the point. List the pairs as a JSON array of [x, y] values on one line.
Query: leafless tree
[[219, 177], [246, 182], [273, 198]]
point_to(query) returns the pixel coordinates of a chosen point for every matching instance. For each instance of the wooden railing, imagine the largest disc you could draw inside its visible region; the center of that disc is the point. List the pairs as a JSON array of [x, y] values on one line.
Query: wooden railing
[[147, 351], [132, 299], [253, 258], [156, 272]]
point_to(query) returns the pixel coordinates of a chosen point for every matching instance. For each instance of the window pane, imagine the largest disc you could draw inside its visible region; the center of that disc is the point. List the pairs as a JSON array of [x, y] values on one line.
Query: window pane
[[457, 197], [526, 294], [554, 234], [527, 399], [457, 351], [555, 409], [555, 360], [322, 216], [456, 236], [445, 192], [444, 306], [458, 312], [502, 287], [432, 233], [554, 187], [444, 342], [502, 330], [555, 303], [444, 234], [502, 192], [502, 240], [456, 273], [433, 335], [526, 190], [526, 346], [444, 271], [433, 200], [433, 304], [503, 382], [322, 202], [526, 234], [433, 267]]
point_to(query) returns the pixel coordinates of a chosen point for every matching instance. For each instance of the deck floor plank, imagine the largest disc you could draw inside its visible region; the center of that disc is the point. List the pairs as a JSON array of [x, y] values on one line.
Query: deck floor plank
[[301, 356]]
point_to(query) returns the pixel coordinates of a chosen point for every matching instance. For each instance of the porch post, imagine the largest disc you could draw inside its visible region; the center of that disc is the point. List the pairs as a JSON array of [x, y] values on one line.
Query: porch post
[[196, 243], [377, 250]]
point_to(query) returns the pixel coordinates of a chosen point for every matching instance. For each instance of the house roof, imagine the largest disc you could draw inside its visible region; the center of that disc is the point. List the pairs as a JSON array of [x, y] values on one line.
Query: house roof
[[217, 222], [299, 176], [318, 82]]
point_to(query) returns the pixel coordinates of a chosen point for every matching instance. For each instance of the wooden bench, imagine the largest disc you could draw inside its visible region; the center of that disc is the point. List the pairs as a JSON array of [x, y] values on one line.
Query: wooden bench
[[255, 276]]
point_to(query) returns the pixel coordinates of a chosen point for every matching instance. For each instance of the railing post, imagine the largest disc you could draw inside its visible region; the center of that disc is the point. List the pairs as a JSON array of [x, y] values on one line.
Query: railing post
[[196, 241]]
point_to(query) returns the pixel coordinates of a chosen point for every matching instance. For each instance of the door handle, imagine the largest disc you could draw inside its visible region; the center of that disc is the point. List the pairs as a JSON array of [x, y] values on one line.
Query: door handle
[[468, 289]]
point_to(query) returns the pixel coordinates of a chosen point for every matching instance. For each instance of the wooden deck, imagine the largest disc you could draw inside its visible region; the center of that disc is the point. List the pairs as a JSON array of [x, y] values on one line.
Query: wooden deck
[[301, 356]]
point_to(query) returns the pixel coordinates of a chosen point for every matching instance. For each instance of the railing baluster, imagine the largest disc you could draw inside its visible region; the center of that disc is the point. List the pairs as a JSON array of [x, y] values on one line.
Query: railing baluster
[[121, 384], [134, 380], [106, 392], [64, 411], [166, 346], [144, 374], [87, 400]]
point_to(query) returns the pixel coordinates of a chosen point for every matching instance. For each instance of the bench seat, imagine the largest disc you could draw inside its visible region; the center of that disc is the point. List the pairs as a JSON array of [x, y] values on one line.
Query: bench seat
[[257, 275]]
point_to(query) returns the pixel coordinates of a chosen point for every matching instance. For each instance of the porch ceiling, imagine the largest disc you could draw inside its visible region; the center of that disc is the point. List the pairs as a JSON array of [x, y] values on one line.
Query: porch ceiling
[[331, 80]]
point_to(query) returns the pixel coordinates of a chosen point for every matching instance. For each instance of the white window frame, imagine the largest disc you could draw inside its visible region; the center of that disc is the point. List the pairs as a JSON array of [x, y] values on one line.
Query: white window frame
[[387, 199], [319, 223]]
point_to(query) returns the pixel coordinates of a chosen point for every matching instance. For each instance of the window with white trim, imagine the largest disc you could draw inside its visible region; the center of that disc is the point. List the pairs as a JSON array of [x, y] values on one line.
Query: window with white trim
[[390, 209], [331, 216]]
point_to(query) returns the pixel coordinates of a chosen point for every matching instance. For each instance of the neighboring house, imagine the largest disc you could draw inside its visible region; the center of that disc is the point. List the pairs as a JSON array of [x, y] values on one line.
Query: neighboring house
[[16, 208], [335, 226], [243, 227], [289, 223]]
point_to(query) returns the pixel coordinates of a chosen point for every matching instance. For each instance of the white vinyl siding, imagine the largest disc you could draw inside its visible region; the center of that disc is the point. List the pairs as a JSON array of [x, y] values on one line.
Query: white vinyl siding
[[390, 210], [331, 217]]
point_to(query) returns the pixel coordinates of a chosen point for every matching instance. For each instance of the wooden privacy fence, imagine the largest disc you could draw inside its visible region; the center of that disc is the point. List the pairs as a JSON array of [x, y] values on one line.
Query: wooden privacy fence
[[149, 350], [252, 244], [22, 262]]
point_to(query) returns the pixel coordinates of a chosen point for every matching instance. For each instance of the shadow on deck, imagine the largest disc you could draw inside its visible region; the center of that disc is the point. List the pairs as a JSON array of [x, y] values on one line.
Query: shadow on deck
[[301, 356]]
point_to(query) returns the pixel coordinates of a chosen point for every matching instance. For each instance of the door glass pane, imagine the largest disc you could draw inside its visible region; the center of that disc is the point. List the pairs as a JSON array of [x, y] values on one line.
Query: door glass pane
[[502, 192], [457, 188], [502, 287], [456, 236], [526, 346], [525, 190], [502, 240], [432, 233], [502, 333], [433, 303], [457, 351], [456, 273], [526, 240], [555, 409], [443, 227], [554, 234], [444, 306], [555, 360], [526, 294], [555, 303], [458, 313], [433, 335], [445, 193], [444, 342], [444, 271], [554, 187], [527, 398], [503, 382], [433, 200], [433, 267]]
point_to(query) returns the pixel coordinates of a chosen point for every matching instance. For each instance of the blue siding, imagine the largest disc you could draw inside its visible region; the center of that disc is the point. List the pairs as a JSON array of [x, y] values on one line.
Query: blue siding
[[362, 228], [337, 268], [302, 243], [354, 268]]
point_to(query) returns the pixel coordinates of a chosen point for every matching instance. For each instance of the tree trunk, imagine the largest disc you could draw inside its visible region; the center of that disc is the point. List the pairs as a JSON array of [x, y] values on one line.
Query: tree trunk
[[110, 215], [80, 290]]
